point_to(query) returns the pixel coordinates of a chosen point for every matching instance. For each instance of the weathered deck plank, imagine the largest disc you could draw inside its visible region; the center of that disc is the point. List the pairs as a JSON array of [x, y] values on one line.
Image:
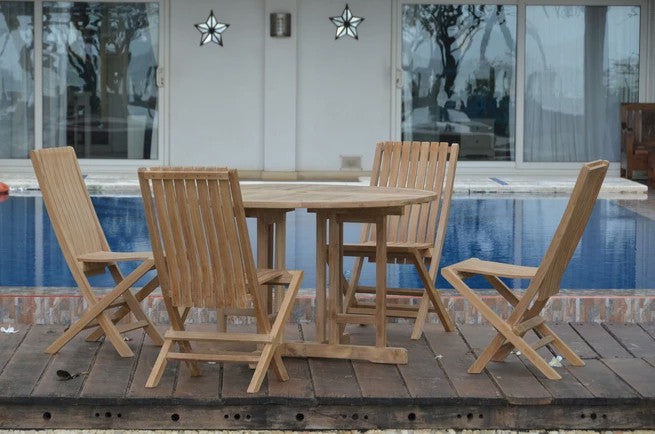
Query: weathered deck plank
[[600, 340], [376, 380], [24, 369], [601, 381], [432, 391], [76, 358], [423, 376], [299, 385], [513, 378], [636, 372], [334, 380], [574, 340], [110, 374], [147, 357], [456, 357], [9, 343], [637, 341]]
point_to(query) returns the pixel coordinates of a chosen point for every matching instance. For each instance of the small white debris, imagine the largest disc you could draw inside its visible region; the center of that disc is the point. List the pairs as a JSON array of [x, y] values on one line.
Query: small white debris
[[518, 353], [556, 362], [126, 339], [9, 329], [439, 357]]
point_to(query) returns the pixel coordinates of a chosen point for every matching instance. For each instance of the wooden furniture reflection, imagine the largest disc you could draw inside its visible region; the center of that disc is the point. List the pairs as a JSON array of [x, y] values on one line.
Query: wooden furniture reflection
[[201, 246], [87, 253], [638, 139], [544, 283], [334, 205], [417, 236]]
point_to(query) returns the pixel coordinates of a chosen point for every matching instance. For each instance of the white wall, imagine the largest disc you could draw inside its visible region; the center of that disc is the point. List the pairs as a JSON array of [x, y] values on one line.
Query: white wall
[[344, 96], [217, 93], [650, 54], [280, 59]]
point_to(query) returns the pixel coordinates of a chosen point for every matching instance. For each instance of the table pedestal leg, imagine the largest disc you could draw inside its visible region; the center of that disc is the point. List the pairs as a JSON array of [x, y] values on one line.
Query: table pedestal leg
[[336, 271], [321, 264], [381, 281]]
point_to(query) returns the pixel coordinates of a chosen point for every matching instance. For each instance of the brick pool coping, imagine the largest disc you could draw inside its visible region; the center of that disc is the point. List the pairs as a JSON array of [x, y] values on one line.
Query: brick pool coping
[[43, 305]]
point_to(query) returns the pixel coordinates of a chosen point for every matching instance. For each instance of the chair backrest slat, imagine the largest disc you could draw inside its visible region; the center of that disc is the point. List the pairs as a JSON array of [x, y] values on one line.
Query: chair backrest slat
[[421, 165], [69, 205], [199, 236], [547, 281]]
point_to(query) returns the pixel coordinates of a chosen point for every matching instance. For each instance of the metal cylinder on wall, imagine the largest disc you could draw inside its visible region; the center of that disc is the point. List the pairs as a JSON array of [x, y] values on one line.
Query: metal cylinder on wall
[[280, 25]]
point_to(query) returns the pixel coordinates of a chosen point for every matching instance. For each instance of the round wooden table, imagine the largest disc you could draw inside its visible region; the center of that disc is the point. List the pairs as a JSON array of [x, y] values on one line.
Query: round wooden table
[[333, 205]]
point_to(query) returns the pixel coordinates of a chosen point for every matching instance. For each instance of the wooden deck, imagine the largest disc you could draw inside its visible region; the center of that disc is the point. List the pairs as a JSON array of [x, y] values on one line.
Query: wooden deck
[[616, 389]]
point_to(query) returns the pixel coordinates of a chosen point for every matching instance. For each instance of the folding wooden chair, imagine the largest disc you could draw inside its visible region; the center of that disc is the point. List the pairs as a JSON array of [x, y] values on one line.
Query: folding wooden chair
[[202, 250], [544, 283], [87, 253], [417, 236]]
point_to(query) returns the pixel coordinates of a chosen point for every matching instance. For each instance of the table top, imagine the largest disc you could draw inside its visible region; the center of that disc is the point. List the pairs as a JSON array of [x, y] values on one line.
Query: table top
[[324, 196]]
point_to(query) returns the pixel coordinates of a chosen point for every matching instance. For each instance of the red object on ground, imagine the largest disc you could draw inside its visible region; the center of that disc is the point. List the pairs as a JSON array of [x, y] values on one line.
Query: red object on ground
[[4, 192]]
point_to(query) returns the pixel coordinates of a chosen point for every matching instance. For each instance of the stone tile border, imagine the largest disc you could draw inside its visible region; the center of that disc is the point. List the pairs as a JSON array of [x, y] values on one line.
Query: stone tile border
[[512, 185], [60, 306]]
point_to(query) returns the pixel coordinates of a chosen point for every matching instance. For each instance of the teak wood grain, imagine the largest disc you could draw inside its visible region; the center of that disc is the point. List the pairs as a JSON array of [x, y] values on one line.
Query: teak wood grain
[[415, 237], [335, 205], [201, 246], [86, 251], [544, 283]]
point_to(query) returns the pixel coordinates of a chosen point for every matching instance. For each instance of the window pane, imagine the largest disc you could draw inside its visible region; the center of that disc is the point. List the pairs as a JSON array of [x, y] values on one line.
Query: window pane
[[458, 65], [99, 78], [581, 63], [16, 79]]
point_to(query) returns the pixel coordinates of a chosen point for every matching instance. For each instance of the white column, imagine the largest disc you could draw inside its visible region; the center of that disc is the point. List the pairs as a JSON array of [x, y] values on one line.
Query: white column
[[280, 65], [650, 47]]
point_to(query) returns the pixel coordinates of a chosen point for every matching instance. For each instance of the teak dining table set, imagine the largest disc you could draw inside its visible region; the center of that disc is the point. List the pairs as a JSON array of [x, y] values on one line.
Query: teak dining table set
[[334, 205], [202, 256]]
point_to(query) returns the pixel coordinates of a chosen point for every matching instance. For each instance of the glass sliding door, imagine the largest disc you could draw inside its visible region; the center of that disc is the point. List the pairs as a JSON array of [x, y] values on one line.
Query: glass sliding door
[[16, 79], [581, 62], [458, 82], [100, 90]]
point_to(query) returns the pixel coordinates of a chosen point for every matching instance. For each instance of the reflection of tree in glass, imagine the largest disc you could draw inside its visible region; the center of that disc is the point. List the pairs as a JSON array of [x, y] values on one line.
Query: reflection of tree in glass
[[106, 32], [452, 28], [18, 18]]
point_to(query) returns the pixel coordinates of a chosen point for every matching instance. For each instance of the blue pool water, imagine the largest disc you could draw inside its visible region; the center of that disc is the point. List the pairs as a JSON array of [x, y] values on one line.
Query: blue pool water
[[614, 253]]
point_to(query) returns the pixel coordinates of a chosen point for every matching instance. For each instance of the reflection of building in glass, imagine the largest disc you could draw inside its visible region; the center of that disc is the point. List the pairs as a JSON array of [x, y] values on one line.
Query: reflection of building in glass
[[123, 81]]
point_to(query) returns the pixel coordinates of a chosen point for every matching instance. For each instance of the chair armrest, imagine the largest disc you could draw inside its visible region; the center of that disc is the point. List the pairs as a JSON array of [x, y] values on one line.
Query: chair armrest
[[489, 268], [114, 256]]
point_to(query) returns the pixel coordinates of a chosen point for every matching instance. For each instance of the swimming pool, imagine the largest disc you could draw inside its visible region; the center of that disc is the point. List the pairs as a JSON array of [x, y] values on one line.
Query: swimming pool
[[614, 253]]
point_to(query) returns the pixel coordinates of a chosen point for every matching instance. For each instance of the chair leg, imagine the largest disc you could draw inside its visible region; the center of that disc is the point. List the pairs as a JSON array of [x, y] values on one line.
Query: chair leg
[[354, 280], [160, 364], [177, 323], [432, 293], [262, 366], [279, 368], [534, 357], [221, 320], [96, 310], [560, 346], [421, 317], [125, 310], [135, 307], [108, 327], [486, 355]]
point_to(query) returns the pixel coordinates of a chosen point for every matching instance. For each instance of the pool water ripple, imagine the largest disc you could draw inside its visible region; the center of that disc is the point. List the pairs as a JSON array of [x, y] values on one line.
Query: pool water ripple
[[615, 251]]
